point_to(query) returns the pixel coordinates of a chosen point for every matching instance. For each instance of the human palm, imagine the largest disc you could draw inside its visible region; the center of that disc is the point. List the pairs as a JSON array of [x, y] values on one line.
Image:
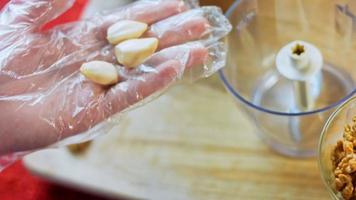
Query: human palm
[[43, 97]]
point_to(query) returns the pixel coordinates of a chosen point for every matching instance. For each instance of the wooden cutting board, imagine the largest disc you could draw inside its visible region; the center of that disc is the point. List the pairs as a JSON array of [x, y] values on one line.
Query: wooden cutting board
[[193, 143]]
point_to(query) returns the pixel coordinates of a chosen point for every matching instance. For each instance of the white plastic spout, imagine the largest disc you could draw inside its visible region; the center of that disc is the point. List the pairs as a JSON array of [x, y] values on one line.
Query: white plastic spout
[[301, 63], [299, 59]]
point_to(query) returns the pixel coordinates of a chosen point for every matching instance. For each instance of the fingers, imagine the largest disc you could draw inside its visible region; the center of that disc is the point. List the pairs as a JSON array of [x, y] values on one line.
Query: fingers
[[66, 40], [170, 33], [166, 69], [206, 23], [146, 11], [95, 28], [140, 88], [181, 28], [191, 25], [189, 55], [198, 58], [81, 104], [135, 89], [43, 81], [76, 104], [63, 67], [31, 14]]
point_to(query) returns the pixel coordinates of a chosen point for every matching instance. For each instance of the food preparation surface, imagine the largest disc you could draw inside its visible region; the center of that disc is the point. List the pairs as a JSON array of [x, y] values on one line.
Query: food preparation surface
[[192, 143]]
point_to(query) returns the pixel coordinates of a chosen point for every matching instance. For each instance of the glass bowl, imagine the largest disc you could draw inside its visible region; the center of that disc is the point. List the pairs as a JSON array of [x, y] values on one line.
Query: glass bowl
[[333, 132], [260, 29]]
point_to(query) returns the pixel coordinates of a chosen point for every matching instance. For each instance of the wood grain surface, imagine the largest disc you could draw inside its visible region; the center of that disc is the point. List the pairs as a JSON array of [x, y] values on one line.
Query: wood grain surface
[[193, 143]]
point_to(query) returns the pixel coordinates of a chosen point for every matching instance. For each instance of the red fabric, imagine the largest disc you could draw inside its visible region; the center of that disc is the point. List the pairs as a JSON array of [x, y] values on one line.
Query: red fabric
[[72, 14], [3, 2], [16, 183]]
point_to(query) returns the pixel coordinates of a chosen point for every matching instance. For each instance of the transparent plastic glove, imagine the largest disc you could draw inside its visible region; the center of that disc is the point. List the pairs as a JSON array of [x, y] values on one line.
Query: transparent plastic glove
[[43, 97]]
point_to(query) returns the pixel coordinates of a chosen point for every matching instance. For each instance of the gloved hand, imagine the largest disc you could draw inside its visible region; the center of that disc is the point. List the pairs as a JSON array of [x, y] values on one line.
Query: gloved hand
[[43, 97]]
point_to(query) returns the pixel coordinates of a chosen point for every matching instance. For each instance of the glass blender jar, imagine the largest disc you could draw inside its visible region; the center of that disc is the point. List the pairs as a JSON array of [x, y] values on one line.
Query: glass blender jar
[[290, 64]]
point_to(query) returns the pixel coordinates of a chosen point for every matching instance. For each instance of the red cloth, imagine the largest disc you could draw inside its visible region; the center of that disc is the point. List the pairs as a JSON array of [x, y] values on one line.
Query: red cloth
[[15, 182], [72, 14]]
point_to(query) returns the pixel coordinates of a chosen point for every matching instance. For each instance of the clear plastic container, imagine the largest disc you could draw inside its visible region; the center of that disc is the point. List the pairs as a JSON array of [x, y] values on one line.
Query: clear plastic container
[[333, 132], [260, 29]]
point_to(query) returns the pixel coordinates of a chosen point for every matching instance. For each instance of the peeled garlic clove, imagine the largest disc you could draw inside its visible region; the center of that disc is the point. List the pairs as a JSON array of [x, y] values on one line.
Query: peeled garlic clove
[[132, 53], [124, 30], [100, 72]]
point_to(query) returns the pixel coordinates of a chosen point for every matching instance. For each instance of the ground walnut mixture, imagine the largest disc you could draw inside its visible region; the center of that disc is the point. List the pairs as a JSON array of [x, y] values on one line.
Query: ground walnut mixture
[[344, 162]]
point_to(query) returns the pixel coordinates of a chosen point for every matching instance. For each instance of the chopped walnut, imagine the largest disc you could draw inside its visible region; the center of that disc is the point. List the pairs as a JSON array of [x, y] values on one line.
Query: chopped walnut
[[338, 153], [344, 184], [348, 147], [344, 162]]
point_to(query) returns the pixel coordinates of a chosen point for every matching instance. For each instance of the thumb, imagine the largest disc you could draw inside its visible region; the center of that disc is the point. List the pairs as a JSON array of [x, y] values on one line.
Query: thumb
[[32, 14]]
